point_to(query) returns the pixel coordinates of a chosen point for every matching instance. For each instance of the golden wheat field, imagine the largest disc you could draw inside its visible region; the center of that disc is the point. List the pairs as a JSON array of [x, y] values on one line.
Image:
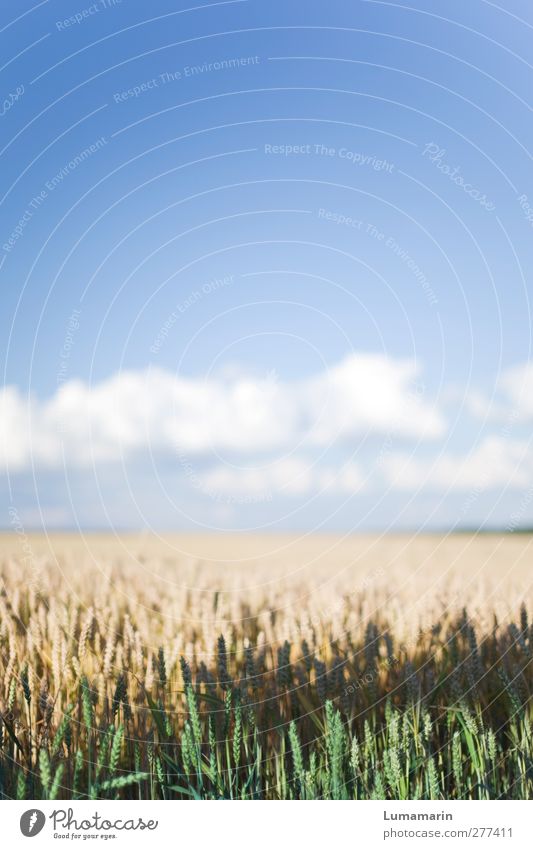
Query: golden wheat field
[[266, 667]]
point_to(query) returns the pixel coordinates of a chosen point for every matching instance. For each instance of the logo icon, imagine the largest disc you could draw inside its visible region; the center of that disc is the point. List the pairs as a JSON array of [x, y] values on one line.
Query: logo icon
[[32, 822]]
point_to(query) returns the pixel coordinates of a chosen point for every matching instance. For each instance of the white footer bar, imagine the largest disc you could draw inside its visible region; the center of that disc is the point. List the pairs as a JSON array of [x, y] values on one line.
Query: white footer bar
[[264, 825]]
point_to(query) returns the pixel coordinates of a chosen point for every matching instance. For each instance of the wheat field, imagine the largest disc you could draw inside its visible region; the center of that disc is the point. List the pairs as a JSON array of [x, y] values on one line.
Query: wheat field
[[258, 667]]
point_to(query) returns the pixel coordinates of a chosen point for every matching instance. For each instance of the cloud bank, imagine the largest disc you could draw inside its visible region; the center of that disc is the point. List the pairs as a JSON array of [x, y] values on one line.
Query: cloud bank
[[242, 414], [497, 462]]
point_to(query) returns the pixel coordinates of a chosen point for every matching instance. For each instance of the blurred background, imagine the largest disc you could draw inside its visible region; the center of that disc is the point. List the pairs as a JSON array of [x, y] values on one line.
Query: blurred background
[[266, 266]]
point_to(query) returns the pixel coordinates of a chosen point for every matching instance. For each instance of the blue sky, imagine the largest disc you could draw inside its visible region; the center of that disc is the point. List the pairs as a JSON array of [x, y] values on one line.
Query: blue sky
[[266, 265]]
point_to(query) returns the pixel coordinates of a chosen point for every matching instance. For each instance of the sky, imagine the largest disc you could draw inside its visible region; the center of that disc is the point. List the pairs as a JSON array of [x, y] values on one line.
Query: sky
[[266, 266]]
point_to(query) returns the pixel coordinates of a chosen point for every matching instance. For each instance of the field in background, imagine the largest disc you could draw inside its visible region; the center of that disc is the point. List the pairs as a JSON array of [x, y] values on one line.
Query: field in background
[[266, 667]]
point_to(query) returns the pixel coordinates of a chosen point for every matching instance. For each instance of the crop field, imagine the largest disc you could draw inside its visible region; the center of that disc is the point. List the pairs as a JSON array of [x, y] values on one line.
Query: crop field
[[266, 667]]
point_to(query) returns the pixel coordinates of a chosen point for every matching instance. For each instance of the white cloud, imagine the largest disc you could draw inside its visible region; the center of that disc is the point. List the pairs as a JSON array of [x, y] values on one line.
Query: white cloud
[[496, 462], [14, 436], [512, 401], [290, 476], [517, 383], [371, 392], [155, 410]]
